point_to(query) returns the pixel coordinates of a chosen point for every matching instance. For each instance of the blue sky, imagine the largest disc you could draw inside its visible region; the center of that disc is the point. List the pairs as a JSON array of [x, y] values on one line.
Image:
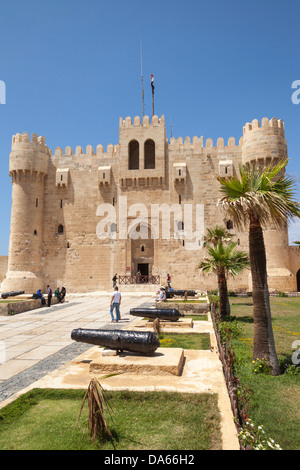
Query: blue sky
[[72, 68]]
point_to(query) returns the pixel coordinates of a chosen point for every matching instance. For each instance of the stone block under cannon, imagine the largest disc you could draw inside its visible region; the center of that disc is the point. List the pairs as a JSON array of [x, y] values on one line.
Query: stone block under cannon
[[169, 314], [5, 295], [179, 293], [143, 342]]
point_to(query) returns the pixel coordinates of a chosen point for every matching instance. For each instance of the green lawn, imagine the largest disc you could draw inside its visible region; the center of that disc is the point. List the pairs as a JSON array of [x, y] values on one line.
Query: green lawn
[[47, 420], [185, 341], [276, 400]]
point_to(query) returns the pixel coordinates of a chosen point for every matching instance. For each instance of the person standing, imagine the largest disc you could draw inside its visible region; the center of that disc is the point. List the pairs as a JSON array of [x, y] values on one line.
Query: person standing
[[49, 295], [115, 304], [114, 280], [169, 280]]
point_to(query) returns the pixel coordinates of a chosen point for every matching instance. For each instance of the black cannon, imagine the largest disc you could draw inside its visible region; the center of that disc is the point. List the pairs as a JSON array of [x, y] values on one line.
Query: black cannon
[[180, 293], [11, 294], [144, 342], [170, 314]]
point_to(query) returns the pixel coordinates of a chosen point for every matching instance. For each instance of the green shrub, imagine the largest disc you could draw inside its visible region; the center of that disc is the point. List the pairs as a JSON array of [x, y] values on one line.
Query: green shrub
[[230, 329]]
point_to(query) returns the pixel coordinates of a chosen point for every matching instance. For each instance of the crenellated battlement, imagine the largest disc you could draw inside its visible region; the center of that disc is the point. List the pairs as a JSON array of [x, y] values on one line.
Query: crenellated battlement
[[264, 142], [198, 144], [111, 151], [23, 140], [273, 125], [145, 122], [29, 155]]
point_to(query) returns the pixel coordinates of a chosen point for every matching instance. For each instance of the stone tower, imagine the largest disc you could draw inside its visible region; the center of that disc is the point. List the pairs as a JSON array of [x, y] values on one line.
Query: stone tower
[[263, 145], [28, 166]]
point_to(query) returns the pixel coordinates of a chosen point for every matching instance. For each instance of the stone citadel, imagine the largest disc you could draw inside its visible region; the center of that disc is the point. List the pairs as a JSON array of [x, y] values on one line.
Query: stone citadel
[[55, 215]]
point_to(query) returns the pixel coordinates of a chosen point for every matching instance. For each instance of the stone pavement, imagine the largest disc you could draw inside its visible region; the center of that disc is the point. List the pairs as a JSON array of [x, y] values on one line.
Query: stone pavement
[[37, 342], [41, 354]]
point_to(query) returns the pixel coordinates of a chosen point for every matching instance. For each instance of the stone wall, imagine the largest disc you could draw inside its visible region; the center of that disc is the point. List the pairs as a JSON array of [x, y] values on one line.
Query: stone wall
[[61, 202]]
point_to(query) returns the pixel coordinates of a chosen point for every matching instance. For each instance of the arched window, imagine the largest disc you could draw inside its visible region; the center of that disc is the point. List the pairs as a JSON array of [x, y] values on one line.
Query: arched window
[[134, 155], [149, 155], [60, 229], [180, 225]]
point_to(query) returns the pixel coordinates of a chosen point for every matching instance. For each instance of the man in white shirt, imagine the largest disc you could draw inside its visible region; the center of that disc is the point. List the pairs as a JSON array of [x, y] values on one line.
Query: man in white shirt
[[115, 303]]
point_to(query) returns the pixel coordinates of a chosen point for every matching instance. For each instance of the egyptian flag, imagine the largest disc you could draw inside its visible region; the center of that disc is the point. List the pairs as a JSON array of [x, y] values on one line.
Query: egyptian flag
[[152, 81]]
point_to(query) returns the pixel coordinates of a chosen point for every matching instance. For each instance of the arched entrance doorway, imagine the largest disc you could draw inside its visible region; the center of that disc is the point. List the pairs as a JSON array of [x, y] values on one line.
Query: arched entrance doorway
[[298, 280], [142, 254]]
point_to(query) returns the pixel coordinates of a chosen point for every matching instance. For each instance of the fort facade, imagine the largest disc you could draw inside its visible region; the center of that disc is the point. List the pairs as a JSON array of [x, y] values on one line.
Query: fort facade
[[78, 217]]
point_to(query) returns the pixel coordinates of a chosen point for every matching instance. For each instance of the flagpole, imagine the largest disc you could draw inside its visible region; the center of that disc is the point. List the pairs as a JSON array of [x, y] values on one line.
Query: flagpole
[[143, 98], [152, 86]]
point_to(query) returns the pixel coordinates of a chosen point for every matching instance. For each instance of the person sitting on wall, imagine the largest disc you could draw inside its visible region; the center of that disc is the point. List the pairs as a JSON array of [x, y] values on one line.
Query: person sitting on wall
[[39, 295], [162, 295], [63, 293], [57, 294]]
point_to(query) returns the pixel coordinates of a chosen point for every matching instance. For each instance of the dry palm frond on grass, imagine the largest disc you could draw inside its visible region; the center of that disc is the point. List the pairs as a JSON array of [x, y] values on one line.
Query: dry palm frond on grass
[[96, 404], [157, 327]]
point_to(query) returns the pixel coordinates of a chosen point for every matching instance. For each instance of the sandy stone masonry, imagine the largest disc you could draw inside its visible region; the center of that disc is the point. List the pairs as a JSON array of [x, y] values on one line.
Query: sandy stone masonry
[[55, 197]]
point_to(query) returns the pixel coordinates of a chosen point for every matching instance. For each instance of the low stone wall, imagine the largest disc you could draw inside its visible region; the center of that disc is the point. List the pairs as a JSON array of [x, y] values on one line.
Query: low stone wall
[[13, 308], [194, 308]]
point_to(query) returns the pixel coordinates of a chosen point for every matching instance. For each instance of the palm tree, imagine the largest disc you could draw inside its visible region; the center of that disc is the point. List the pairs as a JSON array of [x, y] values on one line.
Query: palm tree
[[255, 198], [223, 259], [212, 237], [216, 234], [297, 243]]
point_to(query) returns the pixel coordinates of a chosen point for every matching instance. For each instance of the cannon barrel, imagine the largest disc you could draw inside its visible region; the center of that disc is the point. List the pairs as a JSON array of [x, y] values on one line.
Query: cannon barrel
[[11, 294], [170, 314], [144, 342], [181, 293]]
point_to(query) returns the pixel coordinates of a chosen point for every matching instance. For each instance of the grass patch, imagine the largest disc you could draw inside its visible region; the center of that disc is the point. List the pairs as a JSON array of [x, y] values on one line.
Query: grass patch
[[185, 341], [47, 420], [196, 317], [276, 400]]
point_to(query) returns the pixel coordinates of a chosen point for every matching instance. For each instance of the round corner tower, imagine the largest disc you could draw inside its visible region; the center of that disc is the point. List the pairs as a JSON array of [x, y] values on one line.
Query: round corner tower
[[28, 166], [266, 145]]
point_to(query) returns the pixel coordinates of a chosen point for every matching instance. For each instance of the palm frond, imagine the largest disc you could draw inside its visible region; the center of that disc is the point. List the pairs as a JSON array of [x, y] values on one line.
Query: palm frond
[[96, 404], [224, 256], [268, 193]]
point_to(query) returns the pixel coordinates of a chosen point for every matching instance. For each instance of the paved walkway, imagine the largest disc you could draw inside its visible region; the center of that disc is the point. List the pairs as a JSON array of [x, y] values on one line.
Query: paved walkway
[[34, 343], [39, 353]]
